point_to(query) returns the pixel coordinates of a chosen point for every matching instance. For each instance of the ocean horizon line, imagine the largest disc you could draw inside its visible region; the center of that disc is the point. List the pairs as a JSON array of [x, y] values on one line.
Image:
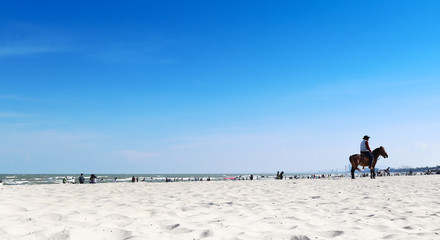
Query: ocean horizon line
[[231, 173]]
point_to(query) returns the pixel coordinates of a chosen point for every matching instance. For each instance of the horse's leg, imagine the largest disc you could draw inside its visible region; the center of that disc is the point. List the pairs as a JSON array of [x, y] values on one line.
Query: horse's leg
[[353, 168]]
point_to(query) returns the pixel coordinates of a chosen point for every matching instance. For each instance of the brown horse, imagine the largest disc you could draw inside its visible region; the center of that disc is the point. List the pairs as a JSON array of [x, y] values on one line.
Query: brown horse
[[357, 160]]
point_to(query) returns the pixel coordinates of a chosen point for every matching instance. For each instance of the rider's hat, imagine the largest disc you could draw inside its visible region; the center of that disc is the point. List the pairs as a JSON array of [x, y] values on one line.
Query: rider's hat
[[366, 137]]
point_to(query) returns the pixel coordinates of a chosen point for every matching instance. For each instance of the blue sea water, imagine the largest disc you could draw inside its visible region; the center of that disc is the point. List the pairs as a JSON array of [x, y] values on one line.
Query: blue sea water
[[27, 179]]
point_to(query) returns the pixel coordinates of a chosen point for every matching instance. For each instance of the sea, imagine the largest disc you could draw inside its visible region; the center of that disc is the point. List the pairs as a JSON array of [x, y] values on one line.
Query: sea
[[32, 179], [29, 179]]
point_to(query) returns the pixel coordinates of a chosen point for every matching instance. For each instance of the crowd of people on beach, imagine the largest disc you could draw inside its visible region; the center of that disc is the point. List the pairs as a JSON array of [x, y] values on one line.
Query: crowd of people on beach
[[81, 179], [280, 175], [93, 178]]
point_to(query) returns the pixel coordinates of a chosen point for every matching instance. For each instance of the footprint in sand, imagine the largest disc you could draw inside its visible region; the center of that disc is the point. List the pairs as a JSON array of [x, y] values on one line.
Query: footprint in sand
[[63, 235], [206, 233], [332, 234], [300, 237], [173, 226]]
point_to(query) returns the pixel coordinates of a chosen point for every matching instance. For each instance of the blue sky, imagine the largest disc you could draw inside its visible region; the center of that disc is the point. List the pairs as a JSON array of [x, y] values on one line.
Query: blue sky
[[216, 86]]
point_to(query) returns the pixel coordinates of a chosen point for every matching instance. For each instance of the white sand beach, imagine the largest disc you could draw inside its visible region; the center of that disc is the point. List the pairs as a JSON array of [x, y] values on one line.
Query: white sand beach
[[399, 207]]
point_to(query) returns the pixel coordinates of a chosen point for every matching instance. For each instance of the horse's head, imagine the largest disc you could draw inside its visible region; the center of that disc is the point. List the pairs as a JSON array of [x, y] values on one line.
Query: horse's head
[[383, 152]]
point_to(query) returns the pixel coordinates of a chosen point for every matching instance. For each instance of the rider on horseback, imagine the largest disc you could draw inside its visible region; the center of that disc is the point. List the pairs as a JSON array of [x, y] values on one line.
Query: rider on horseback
[[365, 149]]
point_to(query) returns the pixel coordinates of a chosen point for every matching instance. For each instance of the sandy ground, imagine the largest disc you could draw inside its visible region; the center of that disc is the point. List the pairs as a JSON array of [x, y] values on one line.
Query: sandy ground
[[405, 207]]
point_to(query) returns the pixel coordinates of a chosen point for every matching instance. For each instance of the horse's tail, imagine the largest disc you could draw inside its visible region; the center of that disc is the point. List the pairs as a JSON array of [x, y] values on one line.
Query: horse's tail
[[353, 162]]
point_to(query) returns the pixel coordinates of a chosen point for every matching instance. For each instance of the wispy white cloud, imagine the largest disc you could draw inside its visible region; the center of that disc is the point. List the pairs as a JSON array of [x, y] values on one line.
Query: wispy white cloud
[[425, 146], [155, 50], [25, 50], [12, 115], [360, 87], [17, 125], [24, 39], [15, 97], [136, 156], [128, 55], [421, 145]]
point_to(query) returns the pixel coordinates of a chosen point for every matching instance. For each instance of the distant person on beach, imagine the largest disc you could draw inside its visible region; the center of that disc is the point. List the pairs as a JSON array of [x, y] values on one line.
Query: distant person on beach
[[133, 179], [280, 175], [93, 178], [81, 179], [365, 150]]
